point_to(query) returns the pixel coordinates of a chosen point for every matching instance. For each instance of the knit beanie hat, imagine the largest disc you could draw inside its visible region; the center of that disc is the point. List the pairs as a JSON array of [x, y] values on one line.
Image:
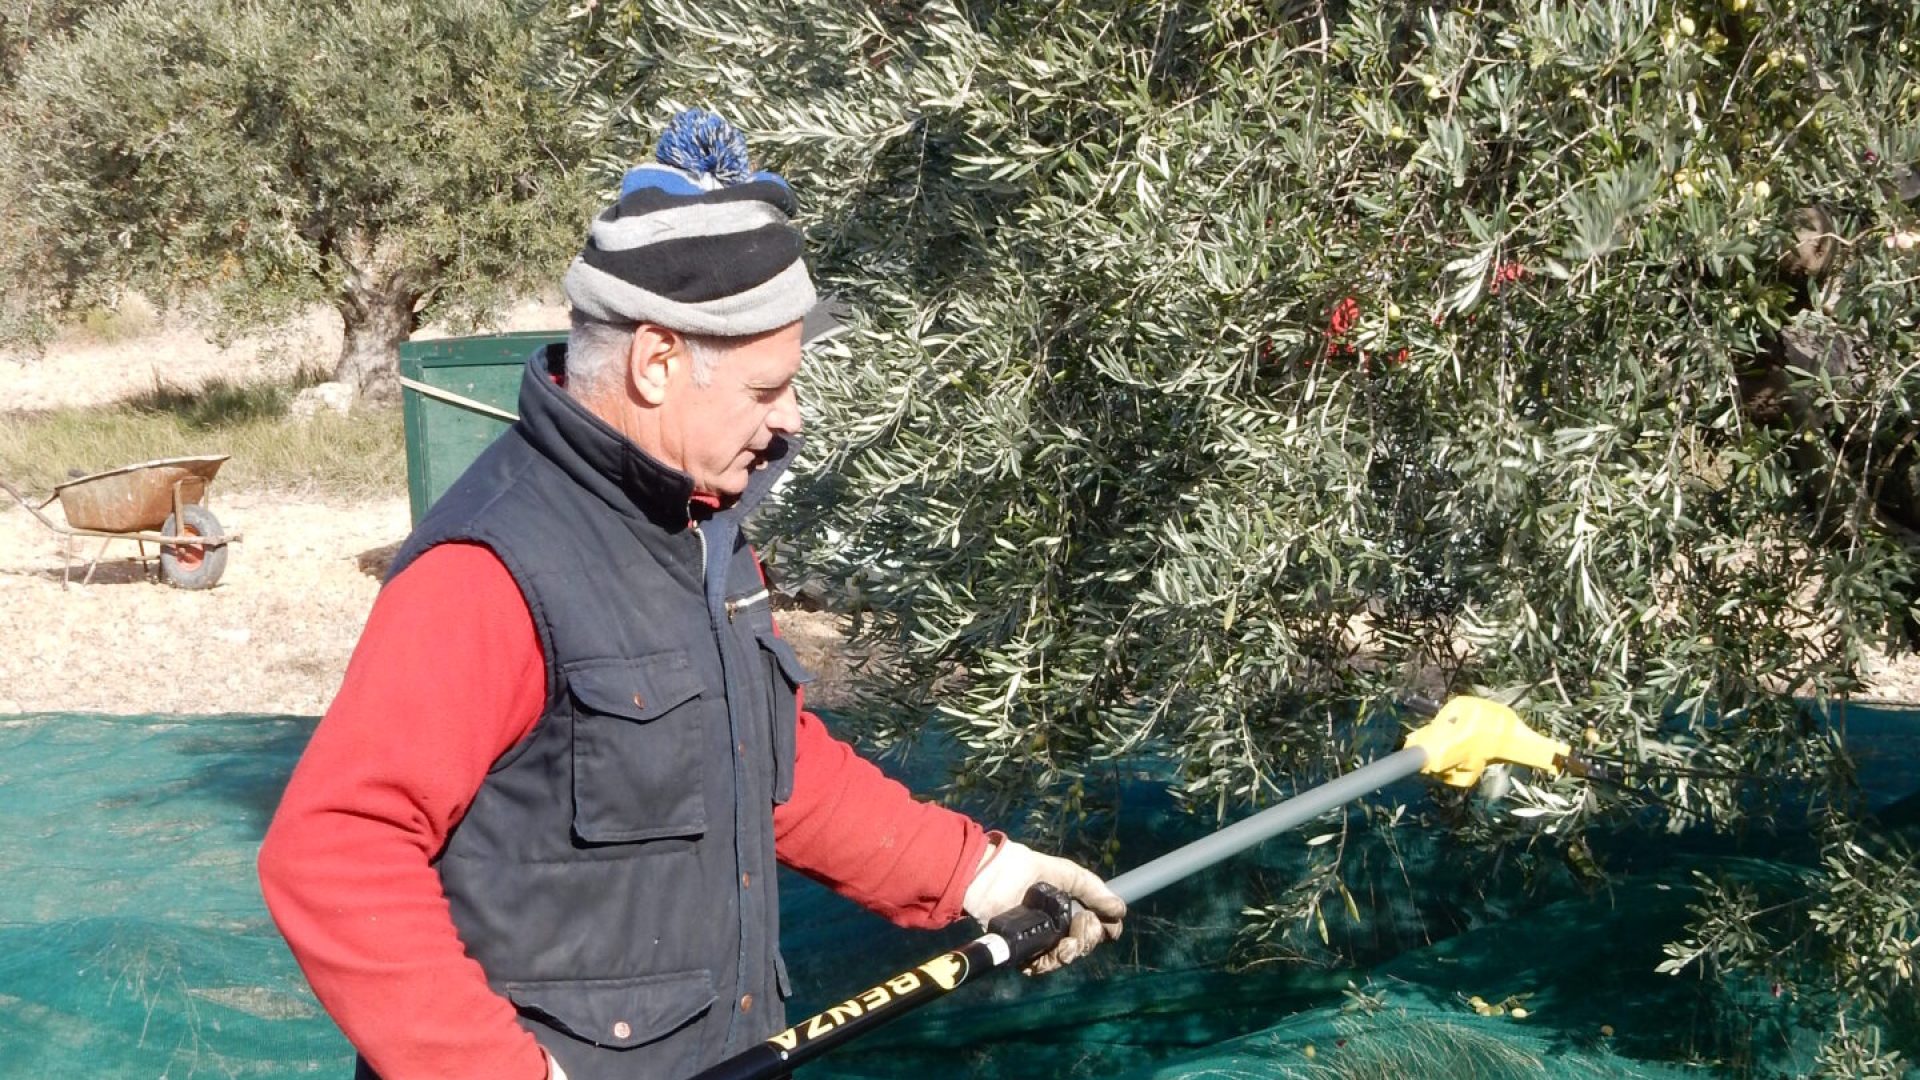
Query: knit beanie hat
[[698, 241]]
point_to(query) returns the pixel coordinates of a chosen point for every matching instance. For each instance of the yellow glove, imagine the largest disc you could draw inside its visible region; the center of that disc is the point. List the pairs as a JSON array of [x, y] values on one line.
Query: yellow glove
[[1009, 869]]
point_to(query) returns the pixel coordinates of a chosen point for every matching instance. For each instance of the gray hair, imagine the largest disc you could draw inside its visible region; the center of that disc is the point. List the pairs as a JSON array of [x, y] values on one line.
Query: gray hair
[[597, 354]]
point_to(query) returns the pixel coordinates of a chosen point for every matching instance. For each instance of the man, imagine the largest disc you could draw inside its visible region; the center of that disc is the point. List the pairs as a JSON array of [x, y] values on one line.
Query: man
[[536, 833]]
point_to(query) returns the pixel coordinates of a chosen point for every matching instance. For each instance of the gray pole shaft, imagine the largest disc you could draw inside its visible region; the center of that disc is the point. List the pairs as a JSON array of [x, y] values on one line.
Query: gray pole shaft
[[1142, 881]]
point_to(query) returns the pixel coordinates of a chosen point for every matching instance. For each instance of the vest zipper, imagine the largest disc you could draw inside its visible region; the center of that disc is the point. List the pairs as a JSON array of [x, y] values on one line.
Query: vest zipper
[[733, 736], [734, 607]]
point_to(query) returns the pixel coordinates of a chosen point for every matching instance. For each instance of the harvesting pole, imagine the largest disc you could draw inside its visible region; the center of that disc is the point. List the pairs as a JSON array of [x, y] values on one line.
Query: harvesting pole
[[1457, 745]]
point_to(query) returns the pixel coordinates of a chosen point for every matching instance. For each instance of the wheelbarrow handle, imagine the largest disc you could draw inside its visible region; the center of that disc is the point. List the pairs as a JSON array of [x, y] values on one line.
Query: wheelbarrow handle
[[35, 510]]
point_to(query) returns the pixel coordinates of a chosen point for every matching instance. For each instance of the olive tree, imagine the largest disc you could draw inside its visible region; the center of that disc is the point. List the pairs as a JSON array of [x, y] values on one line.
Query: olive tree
[[24, 23], [386, 159], [1222, 367]]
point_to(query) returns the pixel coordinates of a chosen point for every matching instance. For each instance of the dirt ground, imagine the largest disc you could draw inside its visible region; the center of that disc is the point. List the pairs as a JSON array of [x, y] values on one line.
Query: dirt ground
[[275, 635], [272, 637]]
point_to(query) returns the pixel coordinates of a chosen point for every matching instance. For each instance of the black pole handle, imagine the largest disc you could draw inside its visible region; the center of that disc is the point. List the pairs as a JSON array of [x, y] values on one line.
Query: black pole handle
[[1018, 937], [1033, 929]]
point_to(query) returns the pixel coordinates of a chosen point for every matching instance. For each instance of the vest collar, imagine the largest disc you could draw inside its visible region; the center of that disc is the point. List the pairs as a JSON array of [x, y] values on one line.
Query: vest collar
[[609, 465]]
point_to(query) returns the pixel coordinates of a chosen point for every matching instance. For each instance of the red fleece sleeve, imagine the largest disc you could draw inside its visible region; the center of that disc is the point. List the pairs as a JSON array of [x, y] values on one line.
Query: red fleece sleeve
[[447, 676], [862, 834]]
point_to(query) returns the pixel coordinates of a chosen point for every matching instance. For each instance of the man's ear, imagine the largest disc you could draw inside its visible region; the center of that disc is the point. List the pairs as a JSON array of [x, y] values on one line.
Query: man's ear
[[650, 361]]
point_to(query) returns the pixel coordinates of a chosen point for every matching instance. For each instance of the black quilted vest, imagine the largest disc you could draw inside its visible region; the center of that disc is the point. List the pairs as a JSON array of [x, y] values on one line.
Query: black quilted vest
[[615, 873]]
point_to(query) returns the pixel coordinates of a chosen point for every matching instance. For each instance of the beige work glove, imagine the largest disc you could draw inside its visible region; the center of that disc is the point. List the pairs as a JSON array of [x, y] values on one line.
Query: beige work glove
[[1009, 869]]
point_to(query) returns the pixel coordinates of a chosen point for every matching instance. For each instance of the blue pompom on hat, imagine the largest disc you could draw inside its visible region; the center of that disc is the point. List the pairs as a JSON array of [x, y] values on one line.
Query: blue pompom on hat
[[703, 143], [698, 241]]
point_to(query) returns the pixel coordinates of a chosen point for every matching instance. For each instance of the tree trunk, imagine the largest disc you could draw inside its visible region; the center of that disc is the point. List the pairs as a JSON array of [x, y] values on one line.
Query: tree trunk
[[376, 323], [377, 305]]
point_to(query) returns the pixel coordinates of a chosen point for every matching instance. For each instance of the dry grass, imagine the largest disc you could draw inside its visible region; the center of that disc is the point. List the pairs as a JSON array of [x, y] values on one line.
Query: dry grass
[[109, 326], [362, 455]]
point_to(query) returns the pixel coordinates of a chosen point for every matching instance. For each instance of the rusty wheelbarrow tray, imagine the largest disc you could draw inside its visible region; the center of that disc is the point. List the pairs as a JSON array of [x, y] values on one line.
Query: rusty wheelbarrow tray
[[160, 502]]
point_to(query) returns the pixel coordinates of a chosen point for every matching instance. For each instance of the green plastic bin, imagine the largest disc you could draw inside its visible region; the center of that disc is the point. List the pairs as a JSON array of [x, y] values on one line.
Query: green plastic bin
[[453, 410]]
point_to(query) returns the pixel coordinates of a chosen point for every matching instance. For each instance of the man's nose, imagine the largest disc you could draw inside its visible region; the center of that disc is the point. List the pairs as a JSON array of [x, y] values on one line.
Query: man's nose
[[785, 417]]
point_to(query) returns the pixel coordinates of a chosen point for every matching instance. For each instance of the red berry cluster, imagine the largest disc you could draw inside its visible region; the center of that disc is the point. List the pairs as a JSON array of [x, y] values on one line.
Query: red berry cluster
[[1346, 315], [1506, 274]]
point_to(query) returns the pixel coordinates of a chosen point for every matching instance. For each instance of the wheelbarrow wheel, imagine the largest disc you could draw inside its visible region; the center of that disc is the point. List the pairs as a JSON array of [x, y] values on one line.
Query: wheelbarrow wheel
[[193, 566]]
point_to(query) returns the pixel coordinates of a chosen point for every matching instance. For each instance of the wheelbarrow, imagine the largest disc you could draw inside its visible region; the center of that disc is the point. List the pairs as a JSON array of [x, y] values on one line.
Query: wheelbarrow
[[155, 502]]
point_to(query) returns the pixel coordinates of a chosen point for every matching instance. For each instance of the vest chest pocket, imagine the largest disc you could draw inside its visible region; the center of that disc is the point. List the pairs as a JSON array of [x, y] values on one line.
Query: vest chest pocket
[[636, 750], [785, 676]]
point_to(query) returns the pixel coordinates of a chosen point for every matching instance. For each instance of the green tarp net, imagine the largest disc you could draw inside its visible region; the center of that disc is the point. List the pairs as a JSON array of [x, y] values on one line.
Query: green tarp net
[[133, 943]]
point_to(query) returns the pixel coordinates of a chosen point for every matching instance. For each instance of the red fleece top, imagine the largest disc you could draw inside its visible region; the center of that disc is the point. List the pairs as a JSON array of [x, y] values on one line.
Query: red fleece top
[[449, 675]]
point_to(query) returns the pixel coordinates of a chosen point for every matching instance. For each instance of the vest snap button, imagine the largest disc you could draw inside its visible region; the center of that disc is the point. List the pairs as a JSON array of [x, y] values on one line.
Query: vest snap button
[[622, 1029], [746, 1003], [639, 702]]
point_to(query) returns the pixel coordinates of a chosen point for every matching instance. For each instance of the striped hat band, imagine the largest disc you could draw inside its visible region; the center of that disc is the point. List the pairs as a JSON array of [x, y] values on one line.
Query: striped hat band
[[689, 252]]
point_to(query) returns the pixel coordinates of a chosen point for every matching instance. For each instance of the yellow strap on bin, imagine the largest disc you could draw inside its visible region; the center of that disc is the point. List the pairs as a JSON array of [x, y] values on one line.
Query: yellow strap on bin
[[452, 398]]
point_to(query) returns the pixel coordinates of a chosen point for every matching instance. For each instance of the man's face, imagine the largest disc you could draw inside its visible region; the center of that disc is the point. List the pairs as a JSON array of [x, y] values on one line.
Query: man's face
[[719, 433]]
